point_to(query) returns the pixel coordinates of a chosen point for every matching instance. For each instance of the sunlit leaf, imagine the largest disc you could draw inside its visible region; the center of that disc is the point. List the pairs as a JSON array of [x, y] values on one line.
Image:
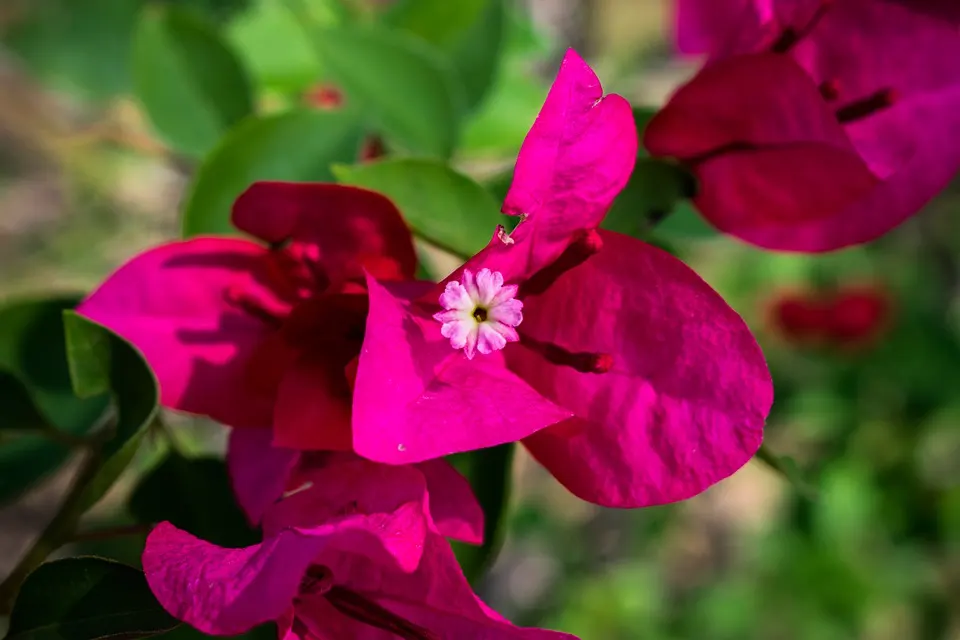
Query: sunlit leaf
[[295, 146], [188, 79], [407, 88], [102, 361], [443, 206]]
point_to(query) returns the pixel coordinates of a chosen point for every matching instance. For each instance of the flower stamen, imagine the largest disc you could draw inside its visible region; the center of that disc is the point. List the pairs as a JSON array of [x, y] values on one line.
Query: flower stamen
[[480, 312]]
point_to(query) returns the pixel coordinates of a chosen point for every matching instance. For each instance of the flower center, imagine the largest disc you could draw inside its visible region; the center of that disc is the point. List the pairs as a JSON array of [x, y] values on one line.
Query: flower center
[[480, 312]]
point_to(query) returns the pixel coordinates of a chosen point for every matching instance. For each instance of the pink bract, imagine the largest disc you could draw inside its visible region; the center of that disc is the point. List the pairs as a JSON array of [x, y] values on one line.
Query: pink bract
[[632, 382], [252, 334], [754, 124], [350, 555], [261, 473]]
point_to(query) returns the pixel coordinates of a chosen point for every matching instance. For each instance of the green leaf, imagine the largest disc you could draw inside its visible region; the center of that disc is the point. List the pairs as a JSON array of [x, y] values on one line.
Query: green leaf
[[290, 68], [490, 474], [470, 33], [295, 146], [102, 360], [216, 10], [500, 125], [477, 54], [83, 47], [189, 81], [657, 190], [36, 393], [439, 22], [408, 89], [19, 411], [195, 495], [86, 599], [444, 207]]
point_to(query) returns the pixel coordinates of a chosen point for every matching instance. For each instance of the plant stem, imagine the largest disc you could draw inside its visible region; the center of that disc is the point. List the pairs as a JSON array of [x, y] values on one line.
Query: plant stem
[[109, 533], [60, 529]]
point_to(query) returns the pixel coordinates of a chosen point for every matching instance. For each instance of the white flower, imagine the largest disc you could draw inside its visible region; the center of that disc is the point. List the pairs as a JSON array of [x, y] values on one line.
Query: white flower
[[480, 313]]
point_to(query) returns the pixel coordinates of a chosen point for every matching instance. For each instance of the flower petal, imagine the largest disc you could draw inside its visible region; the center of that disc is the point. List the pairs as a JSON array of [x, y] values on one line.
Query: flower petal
[[685, 402], [313, 405], [226, 591], [453, 507], [354, 512], [258, 471], [416, 398], [170, 302], [577, 157], [437, 598], [353, 228]]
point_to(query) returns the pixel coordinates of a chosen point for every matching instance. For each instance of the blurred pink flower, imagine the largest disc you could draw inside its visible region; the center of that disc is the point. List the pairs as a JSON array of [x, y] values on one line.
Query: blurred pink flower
[[254, 335], [815, 124], [617, 366], [351, 554], [850, 317]]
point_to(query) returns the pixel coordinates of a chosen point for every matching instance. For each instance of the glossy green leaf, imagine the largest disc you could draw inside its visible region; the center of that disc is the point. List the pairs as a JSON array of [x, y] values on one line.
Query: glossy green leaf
[[295, 146], [191, 84], [86, 599], [444, 207], [407, 88], [490, 474], [102, 361], [36, 393], [195, 495]]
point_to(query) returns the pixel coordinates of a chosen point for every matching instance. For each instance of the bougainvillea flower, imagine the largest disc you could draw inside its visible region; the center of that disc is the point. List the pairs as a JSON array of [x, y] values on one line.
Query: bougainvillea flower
[[621, 370], [349, 555], [816, 125], [849, 317], [261, 473], [858, 315], [253, 334], [800, 317]]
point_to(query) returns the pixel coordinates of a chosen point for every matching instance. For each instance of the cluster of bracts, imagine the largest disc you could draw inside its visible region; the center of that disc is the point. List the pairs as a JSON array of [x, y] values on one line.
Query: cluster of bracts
[[345, 380]]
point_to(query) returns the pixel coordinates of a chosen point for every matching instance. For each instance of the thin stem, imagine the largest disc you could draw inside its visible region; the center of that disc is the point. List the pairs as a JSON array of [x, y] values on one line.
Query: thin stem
[[55, 435], [58, 530], [109, 533]]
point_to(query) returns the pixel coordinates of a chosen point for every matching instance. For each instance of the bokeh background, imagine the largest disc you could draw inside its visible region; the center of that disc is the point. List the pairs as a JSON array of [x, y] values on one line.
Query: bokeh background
[[856, 536]]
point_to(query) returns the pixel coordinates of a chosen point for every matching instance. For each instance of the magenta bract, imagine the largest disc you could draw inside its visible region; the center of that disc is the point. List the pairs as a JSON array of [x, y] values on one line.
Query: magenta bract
[[254, 335], [632, 381], [816, 125], [352, 554]]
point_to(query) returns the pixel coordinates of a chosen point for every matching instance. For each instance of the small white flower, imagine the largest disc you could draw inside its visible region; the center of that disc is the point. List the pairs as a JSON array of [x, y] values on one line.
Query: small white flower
[[480, 313]]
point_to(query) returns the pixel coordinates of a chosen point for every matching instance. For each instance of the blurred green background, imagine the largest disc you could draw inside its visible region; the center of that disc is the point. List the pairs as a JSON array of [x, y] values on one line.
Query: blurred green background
[[863, 540]]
